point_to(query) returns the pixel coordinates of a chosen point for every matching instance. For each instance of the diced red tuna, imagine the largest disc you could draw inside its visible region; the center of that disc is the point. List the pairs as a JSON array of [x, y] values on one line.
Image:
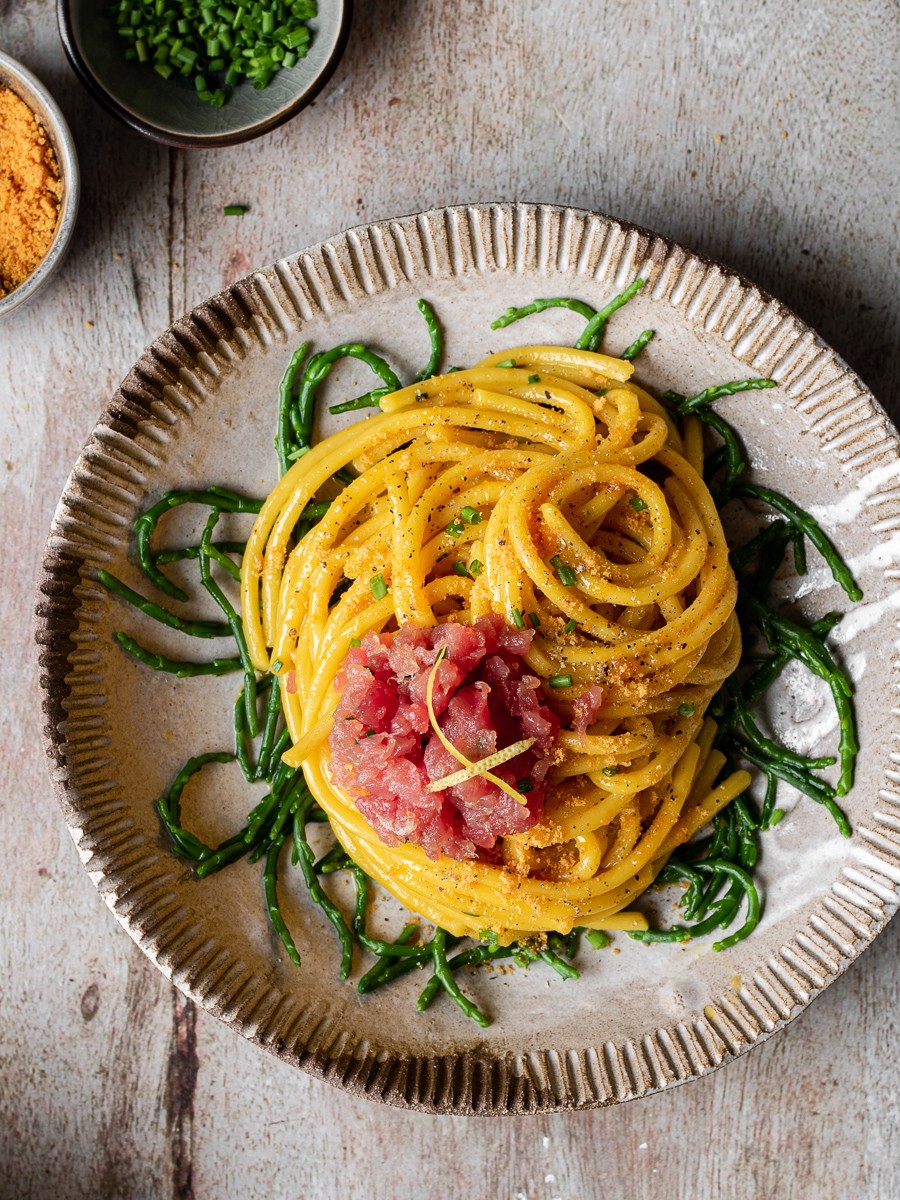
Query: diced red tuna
[[384, 751], [585, 709]]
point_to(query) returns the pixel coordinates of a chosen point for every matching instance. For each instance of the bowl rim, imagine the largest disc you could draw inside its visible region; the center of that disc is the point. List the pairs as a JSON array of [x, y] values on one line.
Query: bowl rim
[[187, 141], [36, 95]]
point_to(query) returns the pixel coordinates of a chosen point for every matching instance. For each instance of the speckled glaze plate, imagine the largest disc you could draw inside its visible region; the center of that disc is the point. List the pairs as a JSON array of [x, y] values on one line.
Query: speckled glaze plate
[[198, 407]]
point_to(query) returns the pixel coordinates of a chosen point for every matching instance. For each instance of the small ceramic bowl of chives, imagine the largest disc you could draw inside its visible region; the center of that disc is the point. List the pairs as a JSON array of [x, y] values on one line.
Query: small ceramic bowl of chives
[[51, 125], [211, 75]]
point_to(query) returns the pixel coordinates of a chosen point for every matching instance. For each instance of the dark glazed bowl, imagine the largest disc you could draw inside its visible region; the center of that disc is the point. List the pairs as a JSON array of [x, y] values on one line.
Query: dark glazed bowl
[[168, 110]]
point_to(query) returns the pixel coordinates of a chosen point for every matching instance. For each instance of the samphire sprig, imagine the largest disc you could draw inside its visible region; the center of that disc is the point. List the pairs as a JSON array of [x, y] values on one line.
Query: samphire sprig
[[597, 318]]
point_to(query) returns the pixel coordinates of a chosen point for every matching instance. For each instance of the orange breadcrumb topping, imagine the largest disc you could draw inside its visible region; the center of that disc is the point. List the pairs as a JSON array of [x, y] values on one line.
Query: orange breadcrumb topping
[[30, 191]]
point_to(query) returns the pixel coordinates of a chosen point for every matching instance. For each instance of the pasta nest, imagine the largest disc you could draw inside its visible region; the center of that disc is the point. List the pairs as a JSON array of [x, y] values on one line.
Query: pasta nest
[[567, 461]]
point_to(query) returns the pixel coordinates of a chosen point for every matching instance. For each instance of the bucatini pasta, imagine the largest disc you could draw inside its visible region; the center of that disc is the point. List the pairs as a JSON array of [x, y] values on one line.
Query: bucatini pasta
[[595, 529]]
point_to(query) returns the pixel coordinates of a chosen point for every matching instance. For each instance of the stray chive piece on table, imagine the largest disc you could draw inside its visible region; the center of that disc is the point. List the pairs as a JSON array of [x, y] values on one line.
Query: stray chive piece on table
[[234, 210]]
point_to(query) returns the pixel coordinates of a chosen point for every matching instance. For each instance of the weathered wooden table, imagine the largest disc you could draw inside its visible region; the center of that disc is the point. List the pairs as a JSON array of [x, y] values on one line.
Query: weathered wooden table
[[763, 134]]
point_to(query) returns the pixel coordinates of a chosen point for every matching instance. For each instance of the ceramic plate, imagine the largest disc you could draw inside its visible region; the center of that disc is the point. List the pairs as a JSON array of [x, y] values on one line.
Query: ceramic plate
[[199, 407]]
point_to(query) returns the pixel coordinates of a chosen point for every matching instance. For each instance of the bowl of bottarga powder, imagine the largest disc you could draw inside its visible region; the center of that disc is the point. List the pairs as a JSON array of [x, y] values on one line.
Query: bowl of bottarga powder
[[38, 185]]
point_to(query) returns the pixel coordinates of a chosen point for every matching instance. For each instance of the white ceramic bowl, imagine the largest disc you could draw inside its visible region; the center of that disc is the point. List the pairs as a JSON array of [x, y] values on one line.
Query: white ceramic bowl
[[30, 89]]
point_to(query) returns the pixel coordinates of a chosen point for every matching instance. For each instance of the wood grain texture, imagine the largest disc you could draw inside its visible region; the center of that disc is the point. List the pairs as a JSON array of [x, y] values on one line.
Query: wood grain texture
[[673, 116]]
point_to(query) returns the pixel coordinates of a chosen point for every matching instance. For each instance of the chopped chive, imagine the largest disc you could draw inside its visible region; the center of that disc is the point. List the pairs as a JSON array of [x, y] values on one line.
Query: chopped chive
[[571, 625], [560, 681], [686, 710], [637, 504], [507, 362], [456, 529], [518, 619], [460, 568], [610, 771], [378, 586], [201, 40], [778, 814], [234, 210], [534, 379], [564, 573], [276, 666], [535, 620], [475, 567], [471, 515], [524, 786], [354, 642], [298, 453]]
